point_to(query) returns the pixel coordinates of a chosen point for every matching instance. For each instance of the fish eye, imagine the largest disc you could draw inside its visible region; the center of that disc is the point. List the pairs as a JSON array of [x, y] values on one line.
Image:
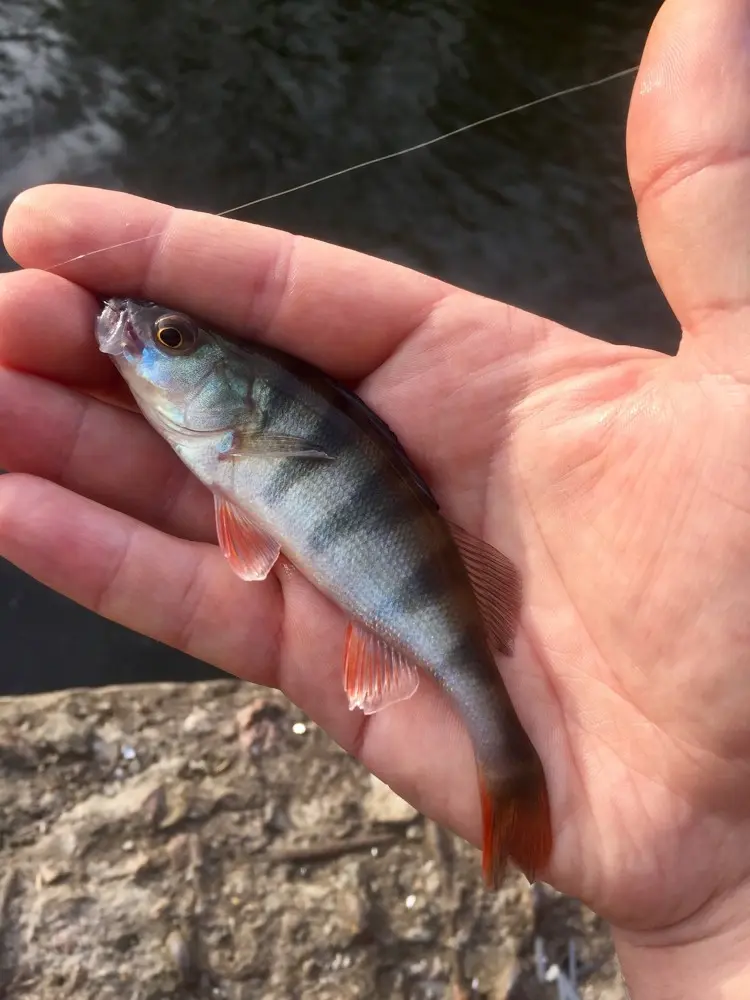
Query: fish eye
[[170, 336], [176, 334]]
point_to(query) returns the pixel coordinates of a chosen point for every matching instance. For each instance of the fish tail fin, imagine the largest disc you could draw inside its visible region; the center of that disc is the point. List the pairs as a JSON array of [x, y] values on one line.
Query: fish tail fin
[[516, 826]]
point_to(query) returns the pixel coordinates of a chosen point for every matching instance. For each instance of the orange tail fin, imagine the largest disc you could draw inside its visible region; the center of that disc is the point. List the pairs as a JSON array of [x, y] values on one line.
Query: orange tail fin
[[516, 825]]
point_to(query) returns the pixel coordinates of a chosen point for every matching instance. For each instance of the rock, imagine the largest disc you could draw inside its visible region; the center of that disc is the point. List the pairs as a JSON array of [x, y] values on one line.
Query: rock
[[198, 722], [492, 971], [152, 865], [258, 726], [63, 733]]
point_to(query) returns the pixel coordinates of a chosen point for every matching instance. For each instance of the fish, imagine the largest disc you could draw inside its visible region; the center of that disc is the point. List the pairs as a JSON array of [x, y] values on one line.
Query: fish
[[301, 467]]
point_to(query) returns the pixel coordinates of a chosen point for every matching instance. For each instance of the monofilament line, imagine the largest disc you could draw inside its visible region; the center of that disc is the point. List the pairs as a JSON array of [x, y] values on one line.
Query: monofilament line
[[431, 142], [377, 159]]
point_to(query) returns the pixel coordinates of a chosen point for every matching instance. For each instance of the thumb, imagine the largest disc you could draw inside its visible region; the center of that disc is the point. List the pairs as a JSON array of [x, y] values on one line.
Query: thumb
[[688, 156]]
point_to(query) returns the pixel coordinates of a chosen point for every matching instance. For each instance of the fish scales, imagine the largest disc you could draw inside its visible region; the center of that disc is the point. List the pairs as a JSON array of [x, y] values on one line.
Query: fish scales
[[380, 524]]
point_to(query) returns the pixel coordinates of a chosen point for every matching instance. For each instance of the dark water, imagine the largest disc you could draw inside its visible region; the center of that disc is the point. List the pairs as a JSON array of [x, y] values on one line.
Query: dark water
[[209, 105]]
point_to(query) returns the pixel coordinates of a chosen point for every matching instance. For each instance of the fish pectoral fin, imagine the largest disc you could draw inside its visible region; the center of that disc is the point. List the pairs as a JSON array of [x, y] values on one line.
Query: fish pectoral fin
[[375, 674], [249, 551], [497, 586], [257, 444]]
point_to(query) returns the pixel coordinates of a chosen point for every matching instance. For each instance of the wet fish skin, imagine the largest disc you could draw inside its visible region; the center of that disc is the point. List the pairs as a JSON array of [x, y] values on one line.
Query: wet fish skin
[[298, 463]]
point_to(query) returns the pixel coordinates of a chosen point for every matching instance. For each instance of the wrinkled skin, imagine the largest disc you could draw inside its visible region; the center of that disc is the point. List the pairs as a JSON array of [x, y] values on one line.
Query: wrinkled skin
[[618, 478]]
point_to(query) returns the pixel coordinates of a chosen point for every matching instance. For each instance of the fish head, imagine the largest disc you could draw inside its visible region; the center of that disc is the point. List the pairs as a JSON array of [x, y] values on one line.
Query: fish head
[[180, 374]]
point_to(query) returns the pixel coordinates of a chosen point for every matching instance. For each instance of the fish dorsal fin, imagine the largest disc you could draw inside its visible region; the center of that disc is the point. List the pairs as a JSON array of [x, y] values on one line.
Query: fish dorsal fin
[[249, 551], [375, 674], [497, 586]]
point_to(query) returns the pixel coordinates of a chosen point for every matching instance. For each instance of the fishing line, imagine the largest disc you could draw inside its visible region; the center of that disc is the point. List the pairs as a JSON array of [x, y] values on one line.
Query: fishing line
[[377, 159]]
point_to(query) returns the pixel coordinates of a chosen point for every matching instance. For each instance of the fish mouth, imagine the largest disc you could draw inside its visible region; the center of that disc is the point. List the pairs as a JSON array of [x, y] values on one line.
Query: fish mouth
[[116, 334]]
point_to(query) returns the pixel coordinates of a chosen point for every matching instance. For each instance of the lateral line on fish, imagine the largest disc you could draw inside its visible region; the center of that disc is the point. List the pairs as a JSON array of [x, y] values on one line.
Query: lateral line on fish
[[577, 88]]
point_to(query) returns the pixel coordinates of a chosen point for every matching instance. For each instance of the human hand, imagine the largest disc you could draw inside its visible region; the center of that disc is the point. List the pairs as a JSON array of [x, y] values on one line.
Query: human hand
[[617, 478]]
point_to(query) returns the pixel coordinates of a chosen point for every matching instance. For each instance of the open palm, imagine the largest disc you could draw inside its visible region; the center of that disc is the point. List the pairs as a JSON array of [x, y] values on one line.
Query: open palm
[[618, 479]]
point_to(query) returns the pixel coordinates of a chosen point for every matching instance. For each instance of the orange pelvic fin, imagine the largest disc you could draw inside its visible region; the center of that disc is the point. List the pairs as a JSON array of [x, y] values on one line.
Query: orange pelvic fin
[[497, 586], [516, 825], [249, 552], [375, 674]]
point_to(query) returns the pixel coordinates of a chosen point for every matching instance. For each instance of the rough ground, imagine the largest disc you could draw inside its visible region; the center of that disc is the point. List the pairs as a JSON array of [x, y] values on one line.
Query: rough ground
[[200, 841]]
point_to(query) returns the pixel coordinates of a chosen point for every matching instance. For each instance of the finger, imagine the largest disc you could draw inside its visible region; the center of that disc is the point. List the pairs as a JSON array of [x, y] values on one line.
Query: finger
[[180, 593], [184, 594], [688, 146], [342, 310], [47, 327], [105, 453]]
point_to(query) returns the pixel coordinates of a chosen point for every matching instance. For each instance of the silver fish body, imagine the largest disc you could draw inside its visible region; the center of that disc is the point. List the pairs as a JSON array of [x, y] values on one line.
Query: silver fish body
[[319, 476]]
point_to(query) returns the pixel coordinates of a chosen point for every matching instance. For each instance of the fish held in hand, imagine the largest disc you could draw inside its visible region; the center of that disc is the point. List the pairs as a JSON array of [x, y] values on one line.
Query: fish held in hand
[[299, 464]]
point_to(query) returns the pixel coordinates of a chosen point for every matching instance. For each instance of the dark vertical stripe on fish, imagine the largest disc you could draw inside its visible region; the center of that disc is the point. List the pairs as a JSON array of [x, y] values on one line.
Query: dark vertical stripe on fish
[[425, 579], [353, 407], [291, 472], [354, 512]]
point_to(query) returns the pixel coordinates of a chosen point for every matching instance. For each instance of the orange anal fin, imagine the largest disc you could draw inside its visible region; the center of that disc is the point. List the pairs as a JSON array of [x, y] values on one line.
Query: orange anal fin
[[249, 552], [497, 586], [515, 827], [375, 674]]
